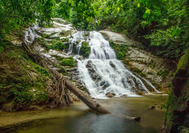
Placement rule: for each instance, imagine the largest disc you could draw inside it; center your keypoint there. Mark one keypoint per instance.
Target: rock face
(115, 37)
(177, 115)
(60, 29)
(153, 68)
(92, 70)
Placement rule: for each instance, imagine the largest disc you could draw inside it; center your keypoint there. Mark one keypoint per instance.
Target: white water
(108, 74)
(30, 34)
(78, 36)
(101, 73)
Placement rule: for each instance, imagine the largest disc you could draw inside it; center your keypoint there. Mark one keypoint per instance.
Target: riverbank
(83, 120)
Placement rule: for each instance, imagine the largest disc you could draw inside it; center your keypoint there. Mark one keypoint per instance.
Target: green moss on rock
(57, 45)
(120, 49)
(177, 119)
(68, 62)
(163, 73)
(85, 49)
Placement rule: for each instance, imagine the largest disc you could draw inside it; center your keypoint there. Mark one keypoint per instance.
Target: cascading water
(76, 36)
(102, 73)
(30, 34)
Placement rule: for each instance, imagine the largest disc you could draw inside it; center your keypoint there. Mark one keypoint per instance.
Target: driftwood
(60, 96)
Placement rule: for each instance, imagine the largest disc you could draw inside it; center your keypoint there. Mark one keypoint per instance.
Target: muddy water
(77, 118)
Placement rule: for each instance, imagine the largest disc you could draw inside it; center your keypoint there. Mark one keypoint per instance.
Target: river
(77, 118)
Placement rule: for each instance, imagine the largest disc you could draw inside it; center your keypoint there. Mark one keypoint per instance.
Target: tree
(18, 14)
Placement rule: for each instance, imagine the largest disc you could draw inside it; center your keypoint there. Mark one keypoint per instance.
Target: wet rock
(105, 85)
(110, 95)
(71, 69)
(124, 95)
(140, 93)
(111, 64)
(102, 83)
(164, 95)
(152, 107)
(92, 70)
(115, 37)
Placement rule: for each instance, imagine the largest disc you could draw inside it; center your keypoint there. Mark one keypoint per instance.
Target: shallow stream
(77, 118)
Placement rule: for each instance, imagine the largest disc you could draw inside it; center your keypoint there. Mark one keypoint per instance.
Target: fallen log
(85, 98)
(92, 104)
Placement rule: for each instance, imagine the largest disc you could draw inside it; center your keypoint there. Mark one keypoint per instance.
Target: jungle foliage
(161, 25)
(16, 15)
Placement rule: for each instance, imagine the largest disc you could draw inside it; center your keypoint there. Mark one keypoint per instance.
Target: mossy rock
(85, 49)
(177, 104)
(64, 39)
(68, 62)
(57, 45)
(120, 49)
(163, 73)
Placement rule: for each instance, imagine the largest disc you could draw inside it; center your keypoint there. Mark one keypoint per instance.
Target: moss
(184, 61)
(151, 64)
(18, 77)
(150, 73)
(163, 73)
(64, 39)
(120, 55)
(126, 62)
(85, 49)
(3, 45)
(58, 57)
(65, 33)
(120, 49)
(177, 102)
(42, 70)
(61, 70)
(138, 71)
(57, 45)
(1, 48)
(68, 62)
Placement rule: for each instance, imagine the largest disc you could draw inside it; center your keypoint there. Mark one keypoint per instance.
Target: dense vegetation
(160, 25)
(22, 82)
(17, 15)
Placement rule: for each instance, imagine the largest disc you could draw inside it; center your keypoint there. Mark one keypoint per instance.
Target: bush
(68, 62)
(120, 55)
(57, 46)
(85, 49)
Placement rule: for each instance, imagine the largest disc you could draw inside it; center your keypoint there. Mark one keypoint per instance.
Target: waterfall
(102, 73)
(30, 34)
(75, 37)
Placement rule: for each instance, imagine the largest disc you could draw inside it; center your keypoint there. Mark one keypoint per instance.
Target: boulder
(110, 95)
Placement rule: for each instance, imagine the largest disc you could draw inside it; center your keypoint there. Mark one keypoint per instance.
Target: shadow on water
(89, 122)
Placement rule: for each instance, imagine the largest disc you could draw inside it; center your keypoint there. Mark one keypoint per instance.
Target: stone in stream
(91, 68)
(110, 95)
